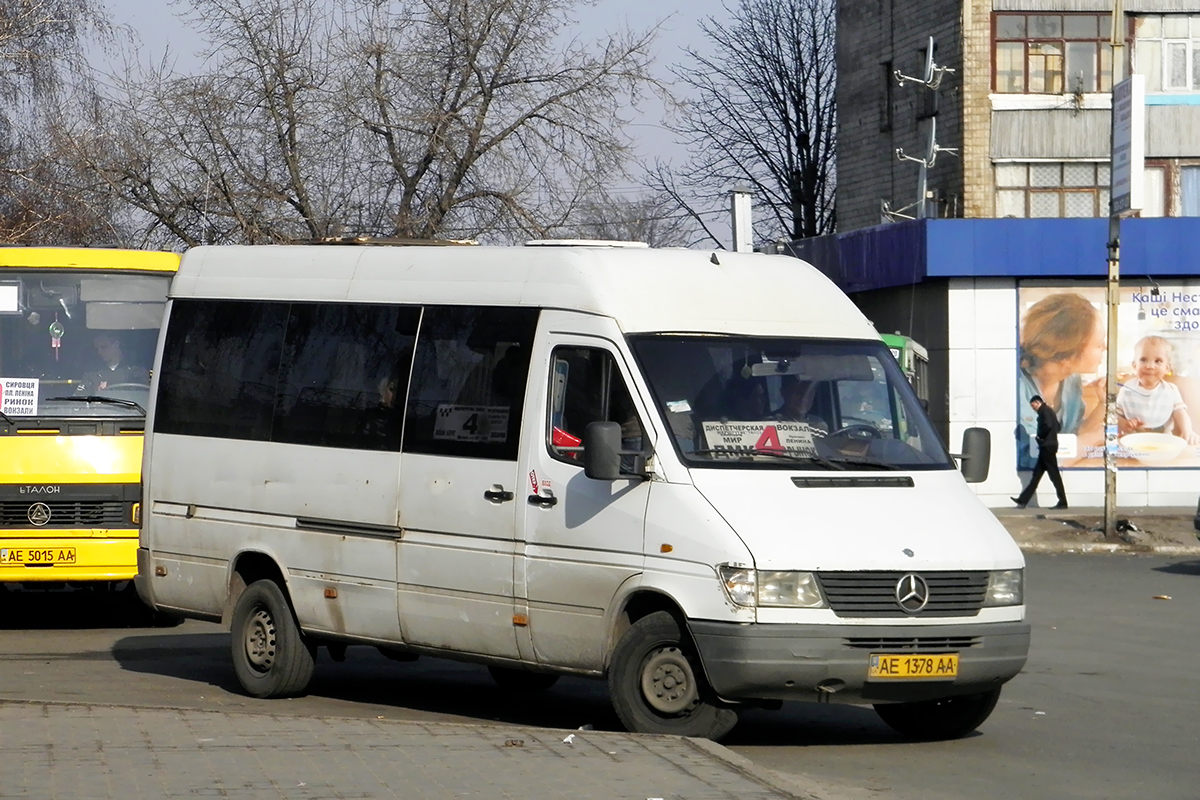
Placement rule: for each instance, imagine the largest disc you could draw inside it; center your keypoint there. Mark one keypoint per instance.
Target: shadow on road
(82, 609)
(368, 683)
(1180, 568)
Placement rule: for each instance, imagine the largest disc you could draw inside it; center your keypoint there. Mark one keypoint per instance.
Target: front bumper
(91, 559)
(828, 663)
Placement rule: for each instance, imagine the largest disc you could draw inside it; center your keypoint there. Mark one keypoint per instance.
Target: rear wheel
(948, 718)
(656, 683)
(270, 654)
(522, 680)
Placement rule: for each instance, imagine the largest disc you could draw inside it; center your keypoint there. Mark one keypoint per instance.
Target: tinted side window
(220, 368)
(587, 387)
(344, 375)
(468, 381)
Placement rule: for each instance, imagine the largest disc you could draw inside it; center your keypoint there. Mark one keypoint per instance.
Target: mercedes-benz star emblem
(912, 593)
(39, 514)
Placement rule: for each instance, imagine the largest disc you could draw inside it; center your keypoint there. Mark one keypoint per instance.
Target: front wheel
(932, 720)
(270, 654)
(656, 683)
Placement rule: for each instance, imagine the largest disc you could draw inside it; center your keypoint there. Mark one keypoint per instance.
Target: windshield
(819, 404)
(77, 343)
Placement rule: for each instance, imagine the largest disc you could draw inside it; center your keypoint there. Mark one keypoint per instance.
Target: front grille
(873, 594)
(66, 514)
(893, 644)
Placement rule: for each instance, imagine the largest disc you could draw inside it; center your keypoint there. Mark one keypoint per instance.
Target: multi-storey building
(1026, 107)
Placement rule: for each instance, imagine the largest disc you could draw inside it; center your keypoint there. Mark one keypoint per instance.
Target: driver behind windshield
(113, 370)
(798, 400)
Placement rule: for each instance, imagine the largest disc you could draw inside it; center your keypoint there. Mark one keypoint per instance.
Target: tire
(270, 655)
(657, 686)
(522, 680)
(933, 720)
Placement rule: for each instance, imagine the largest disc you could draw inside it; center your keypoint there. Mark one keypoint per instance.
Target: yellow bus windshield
(76, 343)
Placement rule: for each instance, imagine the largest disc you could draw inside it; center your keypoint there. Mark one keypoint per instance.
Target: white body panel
(456, 554)
(216, 499)
(786, 527)
(581, 550)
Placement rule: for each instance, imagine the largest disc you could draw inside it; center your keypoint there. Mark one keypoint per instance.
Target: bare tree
(39, 39)
(41, 58)
(763, 114)
(656, 221)
(408, 118)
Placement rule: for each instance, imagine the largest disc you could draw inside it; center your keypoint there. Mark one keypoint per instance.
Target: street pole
(1112, 296)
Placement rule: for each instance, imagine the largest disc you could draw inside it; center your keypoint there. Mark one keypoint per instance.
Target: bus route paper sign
(457, 423)
(791, 438)
(19, 397)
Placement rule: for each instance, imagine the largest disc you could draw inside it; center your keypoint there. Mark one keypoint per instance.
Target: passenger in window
(798, 397)
(745, 398)
(115, 371)
(382, 421)
(508, 377)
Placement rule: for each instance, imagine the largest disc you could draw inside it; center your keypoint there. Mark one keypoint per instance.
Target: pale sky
(157, 26)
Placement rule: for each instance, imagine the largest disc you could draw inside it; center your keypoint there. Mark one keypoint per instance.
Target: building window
(1052, 189)
(1052, 53)
(1155, 204)
(1189, 191)
(1167, 51)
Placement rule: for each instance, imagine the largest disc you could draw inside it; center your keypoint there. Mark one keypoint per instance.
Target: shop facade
(1010, 307)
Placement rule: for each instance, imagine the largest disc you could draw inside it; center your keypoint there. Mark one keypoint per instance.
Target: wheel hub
(260, 640)
(668, 683)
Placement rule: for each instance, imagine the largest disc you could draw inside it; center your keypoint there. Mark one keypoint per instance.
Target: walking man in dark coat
(1047, 459)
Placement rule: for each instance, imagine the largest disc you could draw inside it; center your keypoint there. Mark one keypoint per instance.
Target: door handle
(542, 500)
(498, 494)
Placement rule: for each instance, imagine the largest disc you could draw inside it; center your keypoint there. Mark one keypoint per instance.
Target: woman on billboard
(1062, 340)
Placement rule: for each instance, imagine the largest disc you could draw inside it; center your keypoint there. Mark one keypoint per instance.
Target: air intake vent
(873, 594)
(66, 514)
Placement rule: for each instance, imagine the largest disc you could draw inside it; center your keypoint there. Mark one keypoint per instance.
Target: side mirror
(976, 454)
(602, 451)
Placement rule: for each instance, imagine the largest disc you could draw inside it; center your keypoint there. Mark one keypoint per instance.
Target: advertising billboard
(1062, 340)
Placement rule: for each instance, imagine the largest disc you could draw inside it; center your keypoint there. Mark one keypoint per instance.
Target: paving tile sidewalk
(54, 751)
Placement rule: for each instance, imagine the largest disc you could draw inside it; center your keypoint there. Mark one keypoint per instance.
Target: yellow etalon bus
(78, 327)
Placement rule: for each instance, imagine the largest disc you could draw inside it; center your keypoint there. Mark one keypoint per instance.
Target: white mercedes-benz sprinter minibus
(700, 476)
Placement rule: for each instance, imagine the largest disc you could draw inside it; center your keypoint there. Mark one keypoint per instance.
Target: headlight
(739, 584)
(747, 587)
(1006, 587)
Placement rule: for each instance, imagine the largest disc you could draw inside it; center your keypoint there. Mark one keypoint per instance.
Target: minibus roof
(645, 290)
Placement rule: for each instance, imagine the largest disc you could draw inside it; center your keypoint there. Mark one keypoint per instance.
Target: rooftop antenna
(926, 163)
(931, 76)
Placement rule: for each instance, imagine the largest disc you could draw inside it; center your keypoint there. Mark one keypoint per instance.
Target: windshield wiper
(95, 398)
(866, 462)
(7, 419)
(790, 457)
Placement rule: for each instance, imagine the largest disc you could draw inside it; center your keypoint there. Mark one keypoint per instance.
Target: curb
(772, 780)
(1113, 548)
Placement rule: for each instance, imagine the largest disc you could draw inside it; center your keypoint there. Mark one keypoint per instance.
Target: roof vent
(583, 243)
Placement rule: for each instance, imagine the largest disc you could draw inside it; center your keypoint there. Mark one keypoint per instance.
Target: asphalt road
(1107, 707)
